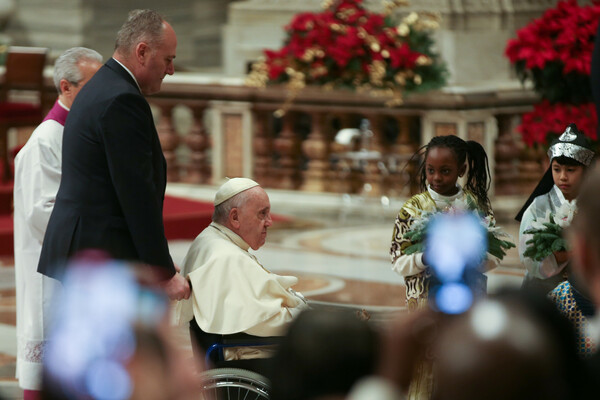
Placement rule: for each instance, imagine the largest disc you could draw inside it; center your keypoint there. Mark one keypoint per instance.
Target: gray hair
(67, 65)
(141, 26)
(221, 213)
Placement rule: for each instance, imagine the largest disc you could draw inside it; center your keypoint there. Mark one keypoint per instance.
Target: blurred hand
(562, 256)
(177, 288)
(405, 342)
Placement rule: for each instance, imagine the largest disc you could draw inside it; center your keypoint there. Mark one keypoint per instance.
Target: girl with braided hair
(446, 159)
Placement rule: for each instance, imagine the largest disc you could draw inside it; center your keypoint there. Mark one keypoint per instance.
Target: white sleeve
(407, 265)
(39, 185)
(490, 263)
(373, 387)
(277, 324)
(536, 269)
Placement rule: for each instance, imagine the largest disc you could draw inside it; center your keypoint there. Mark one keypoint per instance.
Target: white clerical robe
(231, 291)
(37, 177)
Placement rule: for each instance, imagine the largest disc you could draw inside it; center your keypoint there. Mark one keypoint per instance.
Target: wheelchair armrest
(249, 340)
(209, 342)
(239, 340)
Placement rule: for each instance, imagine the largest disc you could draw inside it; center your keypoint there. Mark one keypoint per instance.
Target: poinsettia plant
(348, 46)
(554, 52)
(547, 121)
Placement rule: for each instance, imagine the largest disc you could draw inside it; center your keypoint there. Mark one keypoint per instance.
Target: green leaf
(413, 248)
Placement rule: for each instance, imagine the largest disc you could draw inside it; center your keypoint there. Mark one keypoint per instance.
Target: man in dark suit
(113, 173)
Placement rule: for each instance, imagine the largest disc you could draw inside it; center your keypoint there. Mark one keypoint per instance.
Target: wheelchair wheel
(233, 383)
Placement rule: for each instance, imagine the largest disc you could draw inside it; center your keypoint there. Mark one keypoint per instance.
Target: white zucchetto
(232, 187)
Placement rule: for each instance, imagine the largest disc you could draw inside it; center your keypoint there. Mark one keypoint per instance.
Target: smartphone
(455, 248)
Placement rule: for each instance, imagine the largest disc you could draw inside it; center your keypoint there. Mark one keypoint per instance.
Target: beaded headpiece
(572, 144)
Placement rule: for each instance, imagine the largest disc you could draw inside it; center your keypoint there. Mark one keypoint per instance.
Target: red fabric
(15, 111)
(32, 395)
(183, 218)
(6, 235)
(6, 198)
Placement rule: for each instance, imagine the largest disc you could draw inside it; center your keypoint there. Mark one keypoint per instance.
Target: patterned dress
(577, 309)
(417, 276)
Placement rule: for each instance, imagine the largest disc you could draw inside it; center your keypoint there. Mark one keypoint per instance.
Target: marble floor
(337, 245)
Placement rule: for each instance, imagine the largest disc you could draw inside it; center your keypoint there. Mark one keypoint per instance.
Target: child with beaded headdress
(570, 155)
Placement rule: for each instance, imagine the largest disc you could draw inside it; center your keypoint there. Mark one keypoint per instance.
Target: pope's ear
(234, 218)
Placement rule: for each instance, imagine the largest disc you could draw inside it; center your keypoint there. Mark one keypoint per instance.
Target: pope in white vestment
(37, 178)
(231, 291)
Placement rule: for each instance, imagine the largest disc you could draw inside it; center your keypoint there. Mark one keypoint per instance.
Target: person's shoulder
(542, 198)
(539, 204)
(214, 241)
(418, 202)
(110, 82)
(48, 134)
(209, 249)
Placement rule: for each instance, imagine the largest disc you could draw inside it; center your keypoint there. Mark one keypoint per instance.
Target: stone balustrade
(212, 129)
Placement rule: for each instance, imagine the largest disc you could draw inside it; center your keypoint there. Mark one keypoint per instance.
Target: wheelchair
(233, 383)
(236, 379)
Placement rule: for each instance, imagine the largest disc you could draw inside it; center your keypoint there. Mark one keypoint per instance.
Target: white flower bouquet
(547, 232)
(498, 240)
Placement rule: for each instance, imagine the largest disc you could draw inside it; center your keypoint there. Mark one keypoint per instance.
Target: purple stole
(57, 113)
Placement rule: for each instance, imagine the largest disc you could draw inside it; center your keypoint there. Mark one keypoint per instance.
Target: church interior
(337, 163)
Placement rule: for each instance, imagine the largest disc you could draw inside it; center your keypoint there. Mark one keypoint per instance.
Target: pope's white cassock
(232, 292)
(37, 177)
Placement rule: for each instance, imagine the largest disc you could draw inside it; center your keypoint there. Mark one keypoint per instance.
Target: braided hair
(469, 151)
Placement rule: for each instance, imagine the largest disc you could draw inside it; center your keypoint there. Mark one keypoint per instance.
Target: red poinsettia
(348, 46)
(555, 53)
(548, 121)
(563, 34)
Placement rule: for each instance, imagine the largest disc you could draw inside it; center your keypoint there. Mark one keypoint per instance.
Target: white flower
(419, 222)
(488, 221)
(459, 205)
(564, 214)
(539, 222)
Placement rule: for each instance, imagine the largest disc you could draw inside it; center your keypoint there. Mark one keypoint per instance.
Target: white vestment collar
(234, 237)
(441, 200)
(60, 103)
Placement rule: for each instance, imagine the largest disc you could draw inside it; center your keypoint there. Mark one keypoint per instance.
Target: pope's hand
(177, 287)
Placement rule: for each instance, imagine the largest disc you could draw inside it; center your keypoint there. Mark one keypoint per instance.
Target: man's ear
(141, 52)
(65, 86)
(234, 218)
